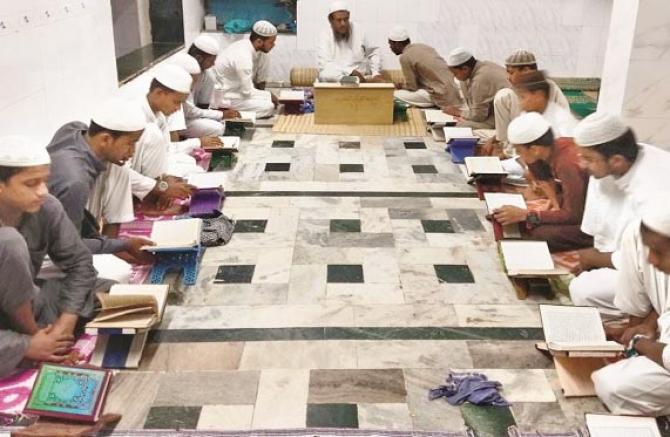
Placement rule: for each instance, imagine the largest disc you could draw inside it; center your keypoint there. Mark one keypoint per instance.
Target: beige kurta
(479, 91)
(424, 68)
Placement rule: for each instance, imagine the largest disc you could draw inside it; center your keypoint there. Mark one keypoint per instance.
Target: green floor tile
(454, 274)
(437, 226)
(172, 418)
(487, 421)
(424, 169)
(332, 416)
(345, 274)
(234, 274)
(250, 226)
(352, 168)
(283, 144)
(345, 226)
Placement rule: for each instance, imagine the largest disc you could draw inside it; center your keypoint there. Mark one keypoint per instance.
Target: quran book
(576, 329)
(458, 133)
(602, 425)
(67, 392)
(291, 96)
(246, 117)
(130, 307)
(498, 200)
(528, 258)
(230, 143)
(484, 166)
(438, 117)
(175, 235)
(209, 180)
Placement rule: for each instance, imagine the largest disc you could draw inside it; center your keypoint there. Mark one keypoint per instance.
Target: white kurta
(235, 73)
(340, 58)
(611, 205)
(638, 385)
(562, 121)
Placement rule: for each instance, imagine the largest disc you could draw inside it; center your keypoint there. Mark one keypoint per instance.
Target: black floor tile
(277, 166)
(415, 145)
(332, 416)
(350, 144)
(437, 226)
(283, 144)
(234, 274)
(454, 274)
(465, 220)
(345, 273)
(250, 226)
(351, 168)
(172, 418)
(487, 420)
(345, 226)
(424, 169)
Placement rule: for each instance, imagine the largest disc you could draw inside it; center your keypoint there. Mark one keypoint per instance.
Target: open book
(458, 133)
(601, 425)
(69, 392)
(130, 307)
(230, 143)
(246, 117)
(484, 166)
(498, 200)
(291, 96)
(437, 117)
(209, 180)
(528, 258)
(175, 235)
(576, 330)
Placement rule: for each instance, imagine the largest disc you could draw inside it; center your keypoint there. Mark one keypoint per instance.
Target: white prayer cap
(656, 214)
(120, 115)
(527, 128)
(207, 44)
(175, 78)
(458, 57)
(20, 151)
(338, 6)
(187, 62)
(265, 28)
(599, 128)
(398, 34)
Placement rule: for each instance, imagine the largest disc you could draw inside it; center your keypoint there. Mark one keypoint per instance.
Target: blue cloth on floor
(469, 387)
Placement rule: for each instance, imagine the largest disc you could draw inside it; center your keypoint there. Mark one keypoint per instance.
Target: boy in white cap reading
(204, 49)
(640, 385)
(20, 335)
(345, 50)
(549, 162)
(625, 177)
(237, 68)
(27, 206)
(428, 81)
(479, 82)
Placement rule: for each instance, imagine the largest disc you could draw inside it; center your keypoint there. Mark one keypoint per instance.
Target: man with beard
(555, 169)
(345, 50)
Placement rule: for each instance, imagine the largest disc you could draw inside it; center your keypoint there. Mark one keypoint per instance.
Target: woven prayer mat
(415, 126)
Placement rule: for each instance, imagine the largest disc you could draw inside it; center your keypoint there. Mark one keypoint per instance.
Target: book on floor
(230, 144)
(576, 331)
(438, 117)
(291, 96)
(209, 180)
(129, 308)
(458, 133)
(175, 235)
(603, 425)
(69, 392)
(528, 258)
(485, 166)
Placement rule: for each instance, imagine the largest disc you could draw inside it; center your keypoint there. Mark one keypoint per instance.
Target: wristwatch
(162, 185)
(533, 220)
(630, 349)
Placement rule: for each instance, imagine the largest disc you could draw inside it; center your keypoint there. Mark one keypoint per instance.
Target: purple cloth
(469, 387)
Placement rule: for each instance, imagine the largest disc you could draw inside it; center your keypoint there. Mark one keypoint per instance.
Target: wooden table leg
(521, 286)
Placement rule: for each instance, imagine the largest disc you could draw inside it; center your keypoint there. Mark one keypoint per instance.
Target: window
(237, 16)
(145, 32)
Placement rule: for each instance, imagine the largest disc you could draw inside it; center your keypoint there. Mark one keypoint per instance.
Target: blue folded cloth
(469, 387)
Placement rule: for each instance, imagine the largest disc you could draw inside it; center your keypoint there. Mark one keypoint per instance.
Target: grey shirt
(16, 287)
(480, 89)
(424, 68)
(50, 232)
(74, 169)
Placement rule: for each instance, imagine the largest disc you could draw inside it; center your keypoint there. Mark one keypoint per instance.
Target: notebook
(291, 96)
(436, 116)
(209, 180)
(578, 330)
(601, 425)
(68, 392)
(484, 166)
(129, 307)
(175, 235)
(528, 258)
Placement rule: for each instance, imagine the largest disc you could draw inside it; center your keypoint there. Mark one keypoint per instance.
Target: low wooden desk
(367, 103)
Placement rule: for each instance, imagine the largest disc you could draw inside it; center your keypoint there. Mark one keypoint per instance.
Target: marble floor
(361, 272)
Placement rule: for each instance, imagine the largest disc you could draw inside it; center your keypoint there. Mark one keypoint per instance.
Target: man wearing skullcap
(204, 49)
(345, 50)
(640, 385)
(237, 74)
(89, 178)
(27, 206)
(625, 177)
(479, 81)
(506, 103)
(428, 81)
(549, 163)
(155, 155)
(20, 336)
